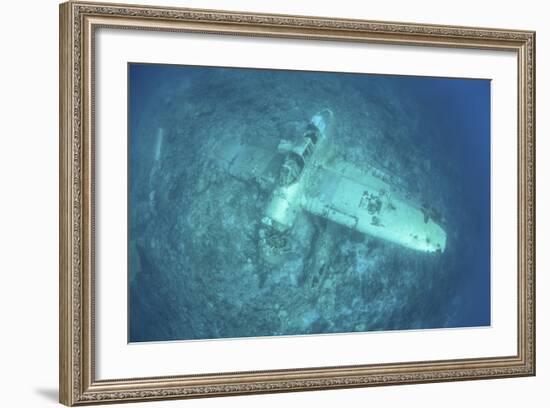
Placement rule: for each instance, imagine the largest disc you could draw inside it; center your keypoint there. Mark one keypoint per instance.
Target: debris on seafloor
(307, 175)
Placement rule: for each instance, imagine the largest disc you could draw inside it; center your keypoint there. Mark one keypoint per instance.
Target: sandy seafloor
(194, 265)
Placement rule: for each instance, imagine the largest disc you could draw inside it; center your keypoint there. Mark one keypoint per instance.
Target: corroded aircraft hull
(309, 175)
(359, 199)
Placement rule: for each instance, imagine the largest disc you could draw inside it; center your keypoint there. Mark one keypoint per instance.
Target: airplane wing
(258, 162)
(364, 201)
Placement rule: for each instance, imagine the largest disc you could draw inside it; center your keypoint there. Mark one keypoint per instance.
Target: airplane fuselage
(314, 180)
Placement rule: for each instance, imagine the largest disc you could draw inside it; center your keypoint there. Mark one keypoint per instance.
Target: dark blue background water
(460, 109)
(184, 283)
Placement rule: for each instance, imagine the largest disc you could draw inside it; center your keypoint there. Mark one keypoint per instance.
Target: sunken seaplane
(308, 175)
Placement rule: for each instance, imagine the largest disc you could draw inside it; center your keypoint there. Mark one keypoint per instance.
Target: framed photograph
(256, 203)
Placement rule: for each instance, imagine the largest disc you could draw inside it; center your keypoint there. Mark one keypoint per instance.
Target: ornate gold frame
(78, 22)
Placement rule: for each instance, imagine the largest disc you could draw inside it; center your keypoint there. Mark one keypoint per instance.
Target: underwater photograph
(267, 202)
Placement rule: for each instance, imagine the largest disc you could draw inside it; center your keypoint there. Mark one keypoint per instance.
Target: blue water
(195, 271)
